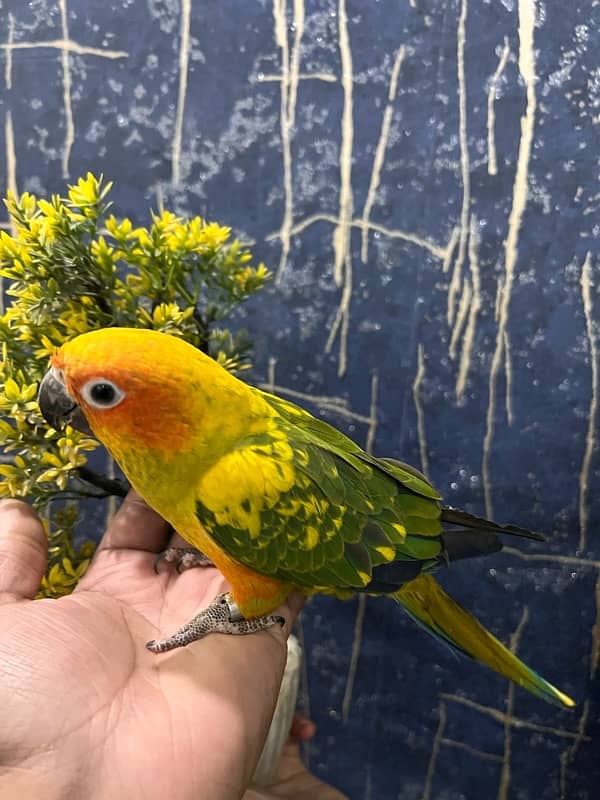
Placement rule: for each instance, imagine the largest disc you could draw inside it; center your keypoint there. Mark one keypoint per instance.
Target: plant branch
(112, 486)
(203, 330)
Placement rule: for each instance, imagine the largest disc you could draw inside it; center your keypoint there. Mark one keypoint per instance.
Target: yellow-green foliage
(71, 268)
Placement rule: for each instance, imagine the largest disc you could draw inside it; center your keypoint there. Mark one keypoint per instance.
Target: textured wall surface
(422, 177)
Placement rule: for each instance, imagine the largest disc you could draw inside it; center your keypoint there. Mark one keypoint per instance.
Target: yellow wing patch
(312, 537)
(399, 528)
(389, 553)
(244, 482)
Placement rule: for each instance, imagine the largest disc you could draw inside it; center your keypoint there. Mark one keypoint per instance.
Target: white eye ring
(101, 393)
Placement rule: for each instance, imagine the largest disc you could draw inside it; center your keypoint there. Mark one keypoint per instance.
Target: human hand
(86, 711)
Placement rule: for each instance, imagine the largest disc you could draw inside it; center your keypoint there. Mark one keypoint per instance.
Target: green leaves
(70, 267)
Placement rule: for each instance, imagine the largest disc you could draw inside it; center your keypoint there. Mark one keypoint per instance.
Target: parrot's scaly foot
(183, 558)
(221, 616)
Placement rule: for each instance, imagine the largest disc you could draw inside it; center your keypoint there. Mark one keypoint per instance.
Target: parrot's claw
(221, 616)
(183, 558)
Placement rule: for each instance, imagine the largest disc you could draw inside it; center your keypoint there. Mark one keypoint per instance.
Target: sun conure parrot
(275, 498)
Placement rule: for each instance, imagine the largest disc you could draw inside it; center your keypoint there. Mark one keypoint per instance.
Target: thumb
(23, 551)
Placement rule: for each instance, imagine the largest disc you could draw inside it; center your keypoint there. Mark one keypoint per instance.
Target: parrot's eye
(102, 393)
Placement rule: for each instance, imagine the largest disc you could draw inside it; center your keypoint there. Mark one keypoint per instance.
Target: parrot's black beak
(57, 407)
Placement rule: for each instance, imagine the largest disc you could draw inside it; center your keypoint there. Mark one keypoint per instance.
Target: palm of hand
(128, 723)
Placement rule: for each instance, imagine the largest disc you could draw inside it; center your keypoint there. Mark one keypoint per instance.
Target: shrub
(73, 267)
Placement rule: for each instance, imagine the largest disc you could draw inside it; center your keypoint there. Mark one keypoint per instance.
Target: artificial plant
(69, 267)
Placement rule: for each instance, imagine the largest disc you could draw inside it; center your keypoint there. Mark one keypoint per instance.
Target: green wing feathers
(303, 503)
(342, 515)
(339, 513)
(427, 603)
(335, 524)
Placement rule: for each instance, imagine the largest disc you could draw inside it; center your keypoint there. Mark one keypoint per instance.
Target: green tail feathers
(427, 603)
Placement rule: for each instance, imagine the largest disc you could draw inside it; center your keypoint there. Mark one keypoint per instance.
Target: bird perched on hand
(275, 498)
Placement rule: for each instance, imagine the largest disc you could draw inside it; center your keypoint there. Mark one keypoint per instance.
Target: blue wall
(449, 148)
